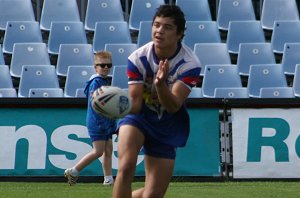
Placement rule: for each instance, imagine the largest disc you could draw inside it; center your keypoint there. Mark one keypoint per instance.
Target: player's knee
(98, 153)
(127, 167)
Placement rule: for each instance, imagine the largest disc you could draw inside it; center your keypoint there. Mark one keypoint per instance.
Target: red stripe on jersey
(191, 80)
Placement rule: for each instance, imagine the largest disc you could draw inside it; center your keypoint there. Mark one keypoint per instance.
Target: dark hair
(174, 12)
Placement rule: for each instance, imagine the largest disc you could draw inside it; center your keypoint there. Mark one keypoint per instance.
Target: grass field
(176, 189)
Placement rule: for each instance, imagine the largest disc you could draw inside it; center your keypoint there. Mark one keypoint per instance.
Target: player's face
(102, 67)
(164, 33)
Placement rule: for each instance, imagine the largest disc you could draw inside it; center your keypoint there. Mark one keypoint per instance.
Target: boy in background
(100, 129)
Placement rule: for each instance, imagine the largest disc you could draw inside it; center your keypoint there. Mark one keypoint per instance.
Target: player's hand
(162, 72)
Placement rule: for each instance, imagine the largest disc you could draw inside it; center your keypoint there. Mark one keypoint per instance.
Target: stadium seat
(285, 32)
(119, 76)
(120, 52)
(110, 32)
(277, 92)
(244, 32)
(235, 92)
(196, 92)
(5, 78)
(73, 54)
(102, 10)
(65, 33)
(195, 10)
(278, 10)
(142, 10)
(254, 53)
(28, 54)
(144, 34)
(45, 93)
(234, 10)
(290, 57)
(21, 32)
(296, 81)
(8, 93)
(80, 93)
(201, 32)
(77, 77)
(265, 75)
(15, 10)
(37, 76)
(58, 11)
(219, 76)
(2, 60)
(212, 54)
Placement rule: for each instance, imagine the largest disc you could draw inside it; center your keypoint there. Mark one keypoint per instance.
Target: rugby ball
(111, 102)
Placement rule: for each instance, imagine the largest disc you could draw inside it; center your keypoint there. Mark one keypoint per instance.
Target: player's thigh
(130, 141)
(159, 172)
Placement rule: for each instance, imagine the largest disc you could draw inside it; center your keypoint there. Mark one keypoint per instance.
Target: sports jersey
(184, 66)
(96, 123)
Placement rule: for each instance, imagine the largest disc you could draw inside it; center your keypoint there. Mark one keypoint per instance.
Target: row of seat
(64, 33)
(265, 80)
(69, 54)
(118, 32)
(38, 79)
(248, 54)
(143, 10)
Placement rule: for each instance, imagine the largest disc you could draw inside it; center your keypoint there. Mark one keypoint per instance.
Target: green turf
(176, 189)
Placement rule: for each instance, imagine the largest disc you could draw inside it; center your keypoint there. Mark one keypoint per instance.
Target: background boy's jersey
(95, 122)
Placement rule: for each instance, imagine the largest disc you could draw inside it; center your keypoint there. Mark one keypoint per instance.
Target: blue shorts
(157, 149)
(152, 146)
(100, 137)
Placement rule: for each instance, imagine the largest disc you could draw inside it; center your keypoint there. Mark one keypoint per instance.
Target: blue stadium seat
(284, 32)
(235, 92)
(8, 93)
(278, 10)
(296, 81)
(2, 60)
(290, 57)
(201, 32)
(254, 53)
(37, 76)
(144, 34)
(21, 32)
(102, 10)
(65, 33)
(265, 75)
(212, 54)
(80, 93)
(77, 77)
(73, 54)
(119, 76)
(5, 77)
(234, 10)
(244, 32)
(142, 10)
(58, 11)
(120, 52)
(219, 76)
(195, 10)
(110, 32)
(28, 54)
(46, 93)
(196, 92)
(277, 92)
(15, 10)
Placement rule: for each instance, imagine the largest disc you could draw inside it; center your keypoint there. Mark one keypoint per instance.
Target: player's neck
(165, 53)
